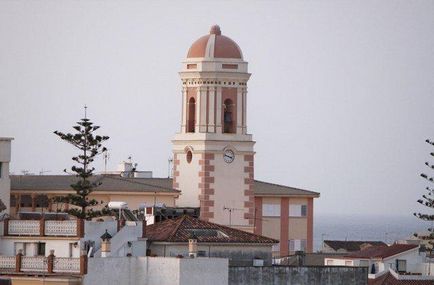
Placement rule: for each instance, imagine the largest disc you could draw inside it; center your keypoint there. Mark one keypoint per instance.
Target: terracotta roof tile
(389, 279)
(351, 245)
(382, 251)
(183, 228)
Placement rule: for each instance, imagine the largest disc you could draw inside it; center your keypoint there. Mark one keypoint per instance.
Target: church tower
(213, 153)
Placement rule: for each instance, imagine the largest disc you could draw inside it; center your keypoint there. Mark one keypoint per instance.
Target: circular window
(189, 156)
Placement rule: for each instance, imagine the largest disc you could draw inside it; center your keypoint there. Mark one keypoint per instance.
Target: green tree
(428, 201)
(89, 145)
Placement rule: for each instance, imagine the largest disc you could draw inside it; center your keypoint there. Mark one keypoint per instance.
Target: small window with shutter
(296, 210)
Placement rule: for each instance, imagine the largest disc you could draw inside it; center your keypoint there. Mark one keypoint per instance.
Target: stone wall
(306, 275)
(156, 270)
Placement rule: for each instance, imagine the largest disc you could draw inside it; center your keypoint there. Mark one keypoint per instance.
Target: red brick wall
(248, 192)
(175, 171)
(205, 186)
(258, 216)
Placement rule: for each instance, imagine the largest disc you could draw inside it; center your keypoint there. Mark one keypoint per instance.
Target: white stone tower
(213, 154)
(5, 181)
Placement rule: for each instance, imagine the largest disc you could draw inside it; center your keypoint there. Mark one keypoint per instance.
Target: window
(276, 247)
(41, 201)
(189, 156)
(13, 201)
(297, 210)
(19, 246)
(230, 66)
(401, 265)
(228, 116)
(26, 201)
(41, 248)
(191, 115)
(271, 210)
(297, 245)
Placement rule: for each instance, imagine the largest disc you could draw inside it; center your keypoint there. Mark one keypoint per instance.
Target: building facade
(5, 181)
(213, 160)
(213, 153)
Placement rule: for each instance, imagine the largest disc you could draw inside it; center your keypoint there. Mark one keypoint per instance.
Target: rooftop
(381, 252)
(113, 183)
(215, 45)
(110, 183)
(184, 228)
(352, 245)
(389, 279)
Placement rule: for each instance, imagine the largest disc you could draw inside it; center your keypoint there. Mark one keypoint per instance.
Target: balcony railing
(67, 228)
(20, 227)
(42, 264)
(61, 228)
(66, 264)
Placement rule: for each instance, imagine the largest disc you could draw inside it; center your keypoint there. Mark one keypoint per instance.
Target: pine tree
(428, 201)
(89, 145)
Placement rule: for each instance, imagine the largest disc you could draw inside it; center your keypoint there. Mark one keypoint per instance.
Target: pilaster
(239, 110)
(184, 110)
(211, 109)
(244, 94)
(219, 110)
(203, 109)
(198, 111)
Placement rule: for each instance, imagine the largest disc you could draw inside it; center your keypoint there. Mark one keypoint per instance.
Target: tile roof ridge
(137, 182)
(284, 186)
(181, 220)
(241, 231)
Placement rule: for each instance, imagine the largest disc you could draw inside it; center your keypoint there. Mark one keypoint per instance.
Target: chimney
(105, 244)
(192, 247)
(144, 224)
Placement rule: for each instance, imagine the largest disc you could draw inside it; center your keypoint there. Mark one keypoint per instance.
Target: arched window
(228, 120)
(191, 115)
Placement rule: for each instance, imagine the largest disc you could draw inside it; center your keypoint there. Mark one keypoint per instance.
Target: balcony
(42, 228)
(51, 264)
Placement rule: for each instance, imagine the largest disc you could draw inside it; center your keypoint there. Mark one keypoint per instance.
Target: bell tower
(213, 153)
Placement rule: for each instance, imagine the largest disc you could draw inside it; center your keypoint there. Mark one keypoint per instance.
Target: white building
(397, 261)
(5, 181)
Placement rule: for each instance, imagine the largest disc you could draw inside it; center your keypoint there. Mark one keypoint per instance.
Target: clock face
(228, 156)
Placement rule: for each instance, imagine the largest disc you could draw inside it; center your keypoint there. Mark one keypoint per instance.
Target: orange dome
(215, 45)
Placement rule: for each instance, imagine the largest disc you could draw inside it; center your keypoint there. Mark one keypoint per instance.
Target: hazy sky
(340, 100)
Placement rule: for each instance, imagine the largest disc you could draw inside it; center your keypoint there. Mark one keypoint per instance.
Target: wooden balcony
(41, 228)
(51, 264)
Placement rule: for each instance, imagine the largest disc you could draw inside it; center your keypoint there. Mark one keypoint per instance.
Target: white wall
(413, 258)
(188, 180)
(156, 270)
(9, 246)
(5, 181)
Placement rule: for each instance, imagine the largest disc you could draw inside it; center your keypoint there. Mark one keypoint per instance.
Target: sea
(358, 227)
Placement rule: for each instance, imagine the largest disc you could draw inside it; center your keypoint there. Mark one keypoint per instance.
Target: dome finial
(215, 30)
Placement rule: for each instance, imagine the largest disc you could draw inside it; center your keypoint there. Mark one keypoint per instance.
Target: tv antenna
(42, 171)
(169, 167)
(106, 157)
(230, 213)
